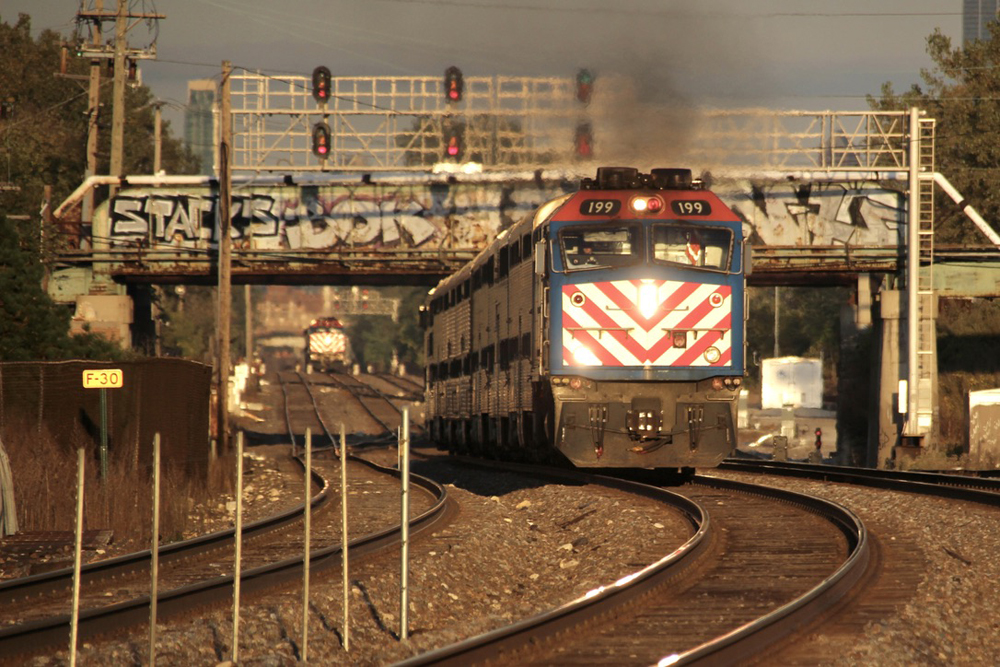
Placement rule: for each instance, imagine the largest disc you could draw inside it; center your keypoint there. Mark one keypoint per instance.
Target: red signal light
(584, 86)
(452, 141)
(321, 84)
(321, 140)
(583, 142)
(453, 84)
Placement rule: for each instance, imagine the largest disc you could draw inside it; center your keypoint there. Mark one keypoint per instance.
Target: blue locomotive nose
(607, 328)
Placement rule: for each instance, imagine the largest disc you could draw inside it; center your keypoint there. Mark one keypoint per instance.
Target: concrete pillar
(854, 379)
(885, 422)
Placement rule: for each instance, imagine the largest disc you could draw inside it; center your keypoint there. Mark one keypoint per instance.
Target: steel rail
(354, 391)
(755, 637)
(982, 490)
(603, 600)
(505, 640)
(54, 632)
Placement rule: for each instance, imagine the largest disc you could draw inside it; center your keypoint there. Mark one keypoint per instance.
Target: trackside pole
(404, 475)
(154, 550)
(239, 547)
(305, 554)
(343, 532)
(76, 558)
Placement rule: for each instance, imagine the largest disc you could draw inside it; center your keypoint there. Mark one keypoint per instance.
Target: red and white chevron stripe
(334, 342)
(657, 323)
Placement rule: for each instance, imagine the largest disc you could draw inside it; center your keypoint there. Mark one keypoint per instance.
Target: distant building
(199, 122)
(975, 15)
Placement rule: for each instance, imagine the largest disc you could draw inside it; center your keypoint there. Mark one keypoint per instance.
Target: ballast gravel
(519, 547)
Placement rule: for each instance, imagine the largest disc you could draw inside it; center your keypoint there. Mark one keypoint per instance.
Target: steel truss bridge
(386, 143)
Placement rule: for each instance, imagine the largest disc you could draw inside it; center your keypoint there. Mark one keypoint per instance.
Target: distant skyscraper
(975, 15)
(199, 122)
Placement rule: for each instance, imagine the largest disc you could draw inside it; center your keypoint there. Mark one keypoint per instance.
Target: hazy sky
(785, 54)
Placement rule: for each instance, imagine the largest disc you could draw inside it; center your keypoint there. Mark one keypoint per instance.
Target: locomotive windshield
(689, 245)
(600, 247)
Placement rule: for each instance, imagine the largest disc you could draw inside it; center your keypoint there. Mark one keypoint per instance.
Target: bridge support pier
(885, 423)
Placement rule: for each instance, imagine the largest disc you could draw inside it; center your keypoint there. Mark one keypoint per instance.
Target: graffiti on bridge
(467, 216)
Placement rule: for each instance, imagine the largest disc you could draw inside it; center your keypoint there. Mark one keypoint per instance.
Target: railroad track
(715, 598)
(380, 407)
(198, 572)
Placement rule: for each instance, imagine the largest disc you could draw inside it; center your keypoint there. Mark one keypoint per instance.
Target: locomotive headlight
(585, 357)
(648, 302)
(712, 355)
(646, 204)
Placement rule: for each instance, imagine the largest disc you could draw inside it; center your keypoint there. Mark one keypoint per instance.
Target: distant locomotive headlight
(644, 204)
(712, 355)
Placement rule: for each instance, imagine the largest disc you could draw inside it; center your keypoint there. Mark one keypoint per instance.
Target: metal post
(305, 555)
(343, 531)
(154, 550)
(404, 475)
(104, 434)
(912, 276)
(777, 315)
(157, 136)
(81, 463)
(239, 548)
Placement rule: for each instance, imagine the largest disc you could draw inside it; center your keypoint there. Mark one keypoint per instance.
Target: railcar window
(600, 247)
(688, 245)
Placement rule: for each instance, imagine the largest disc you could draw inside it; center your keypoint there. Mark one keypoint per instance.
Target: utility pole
(225, 257)
(118, 98)
(119, 52)
(93, 114)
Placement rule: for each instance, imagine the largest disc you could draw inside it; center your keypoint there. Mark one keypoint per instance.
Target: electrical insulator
(453, 84)
(321, 84)
(321, 140)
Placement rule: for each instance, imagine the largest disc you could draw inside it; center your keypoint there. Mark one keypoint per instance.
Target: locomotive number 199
(600, 206)
(691, 207)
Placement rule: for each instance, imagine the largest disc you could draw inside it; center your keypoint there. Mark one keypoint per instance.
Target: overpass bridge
(826, 198)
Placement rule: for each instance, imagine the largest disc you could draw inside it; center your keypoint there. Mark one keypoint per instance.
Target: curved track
(648, 615)
(44, 627)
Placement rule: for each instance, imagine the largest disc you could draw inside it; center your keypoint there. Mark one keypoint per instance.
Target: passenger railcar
(608, 326)
(326, 345)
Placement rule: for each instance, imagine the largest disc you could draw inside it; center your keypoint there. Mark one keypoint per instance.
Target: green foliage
(374, 339)
(808, 321)
(45, 138)
(961, 93)
(32, 327)
(189, 328)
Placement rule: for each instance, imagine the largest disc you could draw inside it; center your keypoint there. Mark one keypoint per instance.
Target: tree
(32, 326)
(962, 94)
(43, 131)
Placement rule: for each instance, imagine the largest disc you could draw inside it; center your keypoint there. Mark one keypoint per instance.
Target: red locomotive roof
(599, 205)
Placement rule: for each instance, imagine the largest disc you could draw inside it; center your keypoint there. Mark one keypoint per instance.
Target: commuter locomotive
(608, 326)
(327, 347)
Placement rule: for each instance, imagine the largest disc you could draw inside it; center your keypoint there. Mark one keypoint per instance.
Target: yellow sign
(103, 378)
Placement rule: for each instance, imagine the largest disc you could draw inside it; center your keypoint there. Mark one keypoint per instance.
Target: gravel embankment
(518, 547)
(952, 615)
